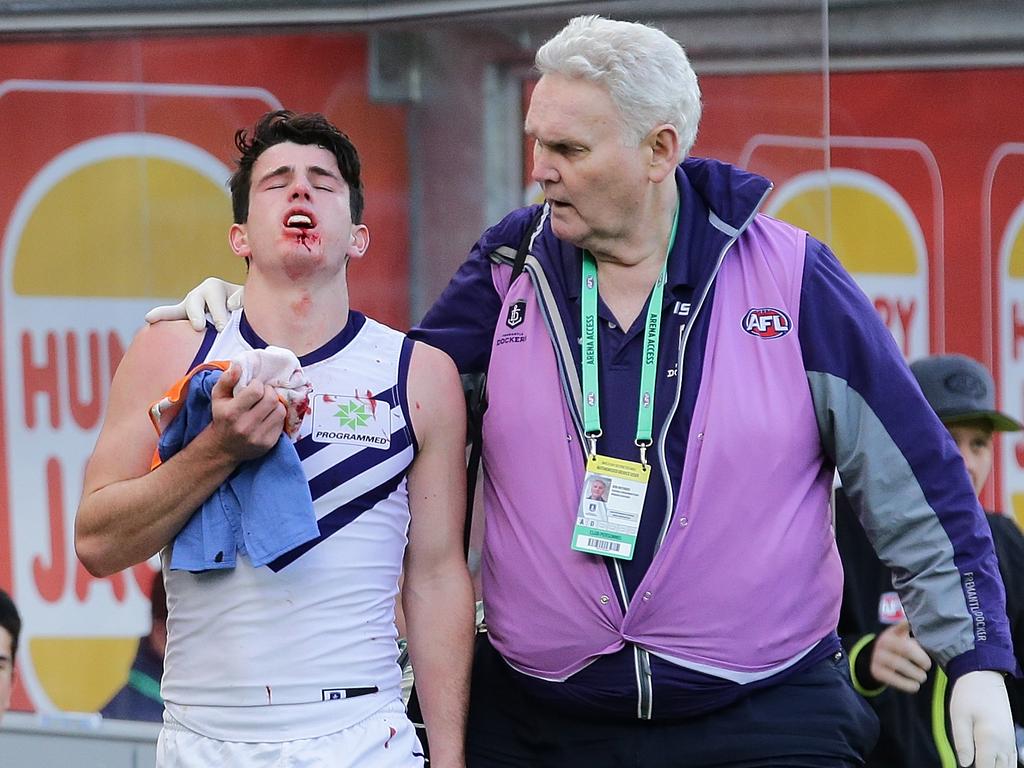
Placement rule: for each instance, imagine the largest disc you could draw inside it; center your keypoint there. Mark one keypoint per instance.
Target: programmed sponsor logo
(353, 420)
(766, 323)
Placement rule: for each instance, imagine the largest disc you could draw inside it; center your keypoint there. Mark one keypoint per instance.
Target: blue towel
(263, 510)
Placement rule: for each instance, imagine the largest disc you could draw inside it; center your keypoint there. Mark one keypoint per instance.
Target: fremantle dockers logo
(516, 314)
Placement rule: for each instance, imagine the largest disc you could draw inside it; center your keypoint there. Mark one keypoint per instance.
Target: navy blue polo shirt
(620, 355)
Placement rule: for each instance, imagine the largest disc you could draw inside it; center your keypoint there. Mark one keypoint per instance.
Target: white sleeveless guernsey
(290, 650)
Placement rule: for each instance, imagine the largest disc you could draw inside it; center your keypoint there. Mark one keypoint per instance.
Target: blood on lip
(306, 240)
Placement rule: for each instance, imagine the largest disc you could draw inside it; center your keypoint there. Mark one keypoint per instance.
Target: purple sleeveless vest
(748, 578)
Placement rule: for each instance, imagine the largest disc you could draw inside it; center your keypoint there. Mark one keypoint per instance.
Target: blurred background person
(889, 667)
(140, 699)
(10, 629)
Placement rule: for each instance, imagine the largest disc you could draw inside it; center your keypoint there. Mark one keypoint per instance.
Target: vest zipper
(641, 658)
(734, 235)
(645, 689)
(684, 337)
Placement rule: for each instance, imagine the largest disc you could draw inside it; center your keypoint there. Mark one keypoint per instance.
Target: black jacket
(906, 738)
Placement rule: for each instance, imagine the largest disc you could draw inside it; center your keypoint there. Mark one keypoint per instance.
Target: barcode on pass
(608, 546)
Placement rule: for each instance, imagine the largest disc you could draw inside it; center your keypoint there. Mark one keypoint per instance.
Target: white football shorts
(386, 739)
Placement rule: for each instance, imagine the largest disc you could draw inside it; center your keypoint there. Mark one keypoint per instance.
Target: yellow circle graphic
(126, 227)
(865, 222)
(1016, 263)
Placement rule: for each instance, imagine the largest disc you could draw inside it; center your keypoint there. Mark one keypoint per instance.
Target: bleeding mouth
(299, 221)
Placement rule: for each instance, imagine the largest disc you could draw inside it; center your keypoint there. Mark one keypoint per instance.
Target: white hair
(645, 71)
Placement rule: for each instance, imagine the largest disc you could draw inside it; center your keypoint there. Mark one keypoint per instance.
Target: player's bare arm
(437, 594)
(127, 512)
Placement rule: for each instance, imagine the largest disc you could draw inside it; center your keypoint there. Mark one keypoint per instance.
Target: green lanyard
(591, 386)
(145, 685)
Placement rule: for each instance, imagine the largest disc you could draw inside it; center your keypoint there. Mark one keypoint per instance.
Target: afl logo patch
(766, 323)
(890, 609)
(516, 314)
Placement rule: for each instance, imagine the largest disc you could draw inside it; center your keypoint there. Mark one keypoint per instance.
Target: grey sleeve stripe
(503, 253)
(898, 520)
(558, 331)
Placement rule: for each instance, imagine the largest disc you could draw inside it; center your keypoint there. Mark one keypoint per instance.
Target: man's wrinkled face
(593, 175)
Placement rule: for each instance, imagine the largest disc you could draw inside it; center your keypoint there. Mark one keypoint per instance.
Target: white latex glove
(218, 297)
(898, 660)
(979, 713)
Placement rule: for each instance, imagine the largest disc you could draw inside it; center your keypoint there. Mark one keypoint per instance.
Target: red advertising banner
(113, 200)
(922, 200)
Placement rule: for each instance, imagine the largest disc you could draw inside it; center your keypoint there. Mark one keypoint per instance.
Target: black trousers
(813, 720)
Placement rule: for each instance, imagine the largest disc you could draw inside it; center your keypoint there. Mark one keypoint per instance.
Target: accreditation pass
(611, 502)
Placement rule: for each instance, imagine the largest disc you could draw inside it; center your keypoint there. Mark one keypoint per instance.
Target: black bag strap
(524, 245)
(474, 387)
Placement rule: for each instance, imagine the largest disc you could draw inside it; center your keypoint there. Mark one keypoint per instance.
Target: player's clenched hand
(249, 423)
(898, 660)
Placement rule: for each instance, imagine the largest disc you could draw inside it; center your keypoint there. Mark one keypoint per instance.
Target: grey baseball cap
(961, 389)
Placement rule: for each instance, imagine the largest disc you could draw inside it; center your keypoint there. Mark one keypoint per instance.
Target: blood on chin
(304, 238)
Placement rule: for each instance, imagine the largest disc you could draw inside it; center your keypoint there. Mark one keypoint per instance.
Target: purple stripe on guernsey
(357, 463)
(401, 389)
(334, 521)
(209, 336)
(401, 439)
